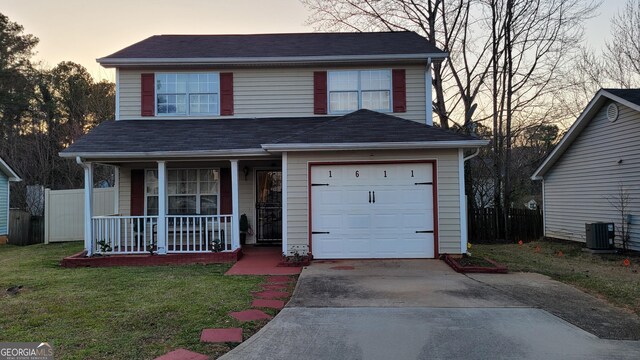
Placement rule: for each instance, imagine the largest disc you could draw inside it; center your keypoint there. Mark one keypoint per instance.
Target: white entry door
(372, 211)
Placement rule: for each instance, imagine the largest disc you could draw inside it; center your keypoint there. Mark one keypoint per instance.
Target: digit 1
(385, 173)
(411, 173)
(329, 173)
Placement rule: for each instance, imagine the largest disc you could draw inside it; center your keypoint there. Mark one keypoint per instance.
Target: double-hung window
(189, 191)
(365, 89)
(188, 93)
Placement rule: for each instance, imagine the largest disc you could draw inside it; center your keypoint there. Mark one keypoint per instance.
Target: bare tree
(622, 53)
(621, 201)
(533, 44)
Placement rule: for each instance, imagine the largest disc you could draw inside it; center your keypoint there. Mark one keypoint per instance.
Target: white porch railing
(184, 234)
(124, 234)
(198, 233)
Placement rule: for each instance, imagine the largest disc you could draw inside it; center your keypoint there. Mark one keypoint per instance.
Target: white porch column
(428, 88)
(235, 207)
(116, 189)
(285, 249)
(162, 208)
(88, 208)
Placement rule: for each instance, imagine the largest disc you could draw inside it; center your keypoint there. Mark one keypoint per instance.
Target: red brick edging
(81, 260)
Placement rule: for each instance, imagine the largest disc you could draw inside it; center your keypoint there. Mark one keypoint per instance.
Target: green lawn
(116, 313)
(602, 275)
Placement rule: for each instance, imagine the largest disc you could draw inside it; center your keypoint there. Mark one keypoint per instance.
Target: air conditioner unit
(600, 236)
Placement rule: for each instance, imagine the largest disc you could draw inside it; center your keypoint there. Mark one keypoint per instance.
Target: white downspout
(472, 155)
(88, 204)
(117, 94)
(285, 206)
(428, 88)
(464, 236)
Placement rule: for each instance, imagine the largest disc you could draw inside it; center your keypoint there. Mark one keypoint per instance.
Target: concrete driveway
(421, 309)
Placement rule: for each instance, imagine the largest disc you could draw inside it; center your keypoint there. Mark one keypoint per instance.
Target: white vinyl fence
(64, 212)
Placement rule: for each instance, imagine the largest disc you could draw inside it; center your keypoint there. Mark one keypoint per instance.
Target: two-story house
(323, 140)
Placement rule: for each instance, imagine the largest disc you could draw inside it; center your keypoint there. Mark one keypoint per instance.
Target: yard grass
(603, 275)
(116, 313)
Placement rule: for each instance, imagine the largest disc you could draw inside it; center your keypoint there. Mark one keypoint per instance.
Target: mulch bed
(469, 264)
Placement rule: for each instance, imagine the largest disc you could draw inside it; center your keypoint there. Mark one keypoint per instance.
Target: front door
(269, 206)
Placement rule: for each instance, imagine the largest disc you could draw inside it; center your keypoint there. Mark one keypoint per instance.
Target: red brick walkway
(261, 261)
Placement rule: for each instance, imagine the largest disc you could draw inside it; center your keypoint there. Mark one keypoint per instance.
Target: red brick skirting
(80, 259)
(497, 268)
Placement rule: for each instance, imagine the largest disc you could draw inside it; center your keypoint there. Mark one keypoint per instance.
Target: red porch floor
(261, 261)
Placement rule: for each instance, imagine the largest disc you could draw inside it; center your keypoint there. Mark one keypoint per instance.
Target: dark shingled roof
(277, 45)
(366, 126)
(362, 126)
(631, 95)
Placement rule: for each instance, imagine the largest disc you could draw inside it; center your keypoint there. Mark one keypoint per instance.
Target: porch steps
(233, 335)
(182, 354)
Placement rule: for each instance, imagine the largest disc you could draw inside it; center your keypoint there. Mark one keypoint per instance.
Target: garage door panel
(360, 227)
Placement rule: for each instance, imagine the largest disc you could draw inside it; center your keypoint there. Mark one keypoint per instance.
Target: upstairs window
(365, 89)
(188, 93)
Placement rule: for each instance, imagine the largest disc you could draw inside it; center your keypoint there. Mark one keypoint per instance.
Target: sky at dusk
(83, 30)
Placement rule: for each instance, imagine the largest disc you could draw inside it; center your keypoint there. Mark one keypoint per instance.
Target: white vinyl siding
(124, 200)
(579, 187)
(4, 204)
(447, 188)
(274, 92)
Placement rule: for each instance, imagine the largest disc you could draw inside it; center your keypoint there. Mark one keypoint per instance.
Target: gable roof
(7, 170)
(630, 95)
(269, 48)
(627, 97)
(363, 129)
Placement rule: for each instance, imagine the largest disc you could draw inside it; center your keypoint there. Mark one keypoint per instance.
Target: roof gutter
(166, 154)
(375, 145)
(114, 62)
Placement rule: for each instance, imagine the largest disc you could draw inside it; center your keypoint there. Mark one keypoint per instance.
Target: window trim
(187, 94)
(359, 91)
(198, 195)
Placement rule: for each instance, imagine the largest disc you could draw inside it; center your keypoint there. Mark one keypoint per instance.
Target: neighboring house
(7, 175)
(583, 176)
(210, 127)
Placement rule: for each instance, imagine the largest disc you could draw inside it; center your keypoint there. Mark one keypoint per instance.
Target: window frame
(187, 94)
(358, 90)
(198, 195)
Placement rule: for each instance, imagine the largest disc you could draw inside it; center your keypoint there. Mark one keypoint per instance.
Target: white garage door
(372, 211)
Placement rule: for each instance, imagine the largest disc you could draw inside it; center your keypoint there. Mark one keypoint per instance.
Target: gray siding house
(6, 175)
(583, 176)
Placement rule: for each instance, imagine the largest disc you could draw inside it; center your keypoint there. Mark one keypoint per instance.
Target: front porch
(186, 207)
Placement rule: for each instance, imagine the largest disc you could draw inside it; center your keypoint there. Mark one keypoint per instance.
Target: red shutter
(320, 92)
(147, 82)
(226, 93)
(399, 90)
(137, 192)
(225, 191)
